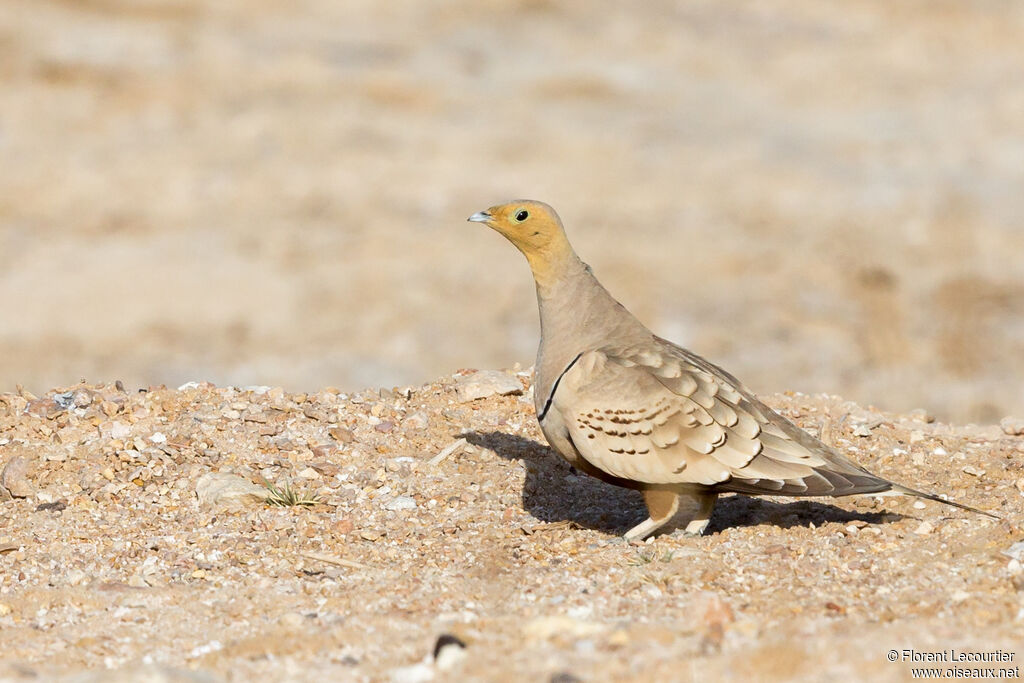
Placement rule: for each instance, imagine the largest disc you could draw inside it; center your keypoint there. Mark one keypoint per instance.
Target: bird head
(533, 227)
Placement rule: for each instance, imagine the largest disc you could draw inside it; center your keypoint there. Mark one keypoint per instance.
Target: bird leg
(705, 503)
(661, 505)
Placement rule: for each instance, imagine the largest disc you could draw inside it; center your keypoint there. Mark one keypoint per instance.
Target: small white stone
(417, 420)
(400, 503)
(75, 577)
(580, 612)
(484, 383)
(223, 488)
(448, 658)
(1015, 551)
(1012, 425)
(924, 529)
(542, 628)
(119, 430)
(417, 673)
(291, 620)
(158, 437)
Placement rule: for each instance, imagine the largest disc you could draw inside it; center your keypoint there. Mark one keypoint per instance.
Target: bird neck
(553, 263)
(577, 314)
(554, 268)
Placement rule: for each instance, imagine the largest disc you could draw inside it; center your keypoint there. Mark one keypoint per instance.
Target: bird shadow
(554, 492)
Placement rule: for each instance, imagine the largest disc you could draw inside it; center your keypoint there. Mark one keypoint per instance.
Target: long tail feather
(931, 496)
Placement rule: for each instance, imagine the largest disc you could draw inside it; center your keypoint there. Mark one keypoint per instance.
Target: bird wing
(658, 414)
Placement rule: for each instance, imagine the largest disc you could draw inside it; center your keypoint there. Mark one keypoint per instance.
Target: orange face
(530, 225)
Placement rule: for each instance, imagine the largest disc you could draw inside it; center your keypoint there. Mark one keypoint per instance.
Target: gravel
(110, 565)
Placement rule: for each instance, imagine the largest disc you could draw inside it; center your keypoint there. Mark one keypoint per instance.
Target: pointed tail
(931, 496)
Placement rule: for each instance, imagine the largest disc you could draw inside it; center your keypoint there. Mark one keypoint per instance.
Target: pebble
(416, 673)
(1014, 426)
(484, 383)
(449, 651)
(1015, 551)
(341, 435)
(543, 628)
(564, 677)
(417, 420)
(324, 451)
(922, 415)
(924, 529)
(402, 464)
(82, 398)
(44, 407)
(223, 488)
(974, 471)
(453, 447)
(291, 620)
(75, 577)
(309, 473)
(14, 478)
(117, 430)
(56, 455)
(400, 503)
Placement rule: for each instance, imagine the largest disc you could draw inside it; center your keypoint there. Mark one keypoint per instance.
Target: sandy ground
(117, 563)
(820, 197)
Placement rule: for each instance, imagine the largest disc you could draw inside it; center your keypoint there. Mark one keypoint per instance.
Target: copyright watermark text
(993, 664)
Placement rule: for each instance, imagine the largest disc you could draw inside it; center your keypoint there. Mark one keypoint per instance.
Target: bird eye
(522, 216)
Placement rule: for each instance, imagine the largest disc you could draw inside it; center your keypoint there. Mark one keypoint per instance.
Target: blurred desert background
(821, 197)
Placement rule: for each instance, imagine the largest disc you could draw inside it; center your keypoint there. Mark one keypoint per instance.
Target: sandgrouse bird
(635, 410)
